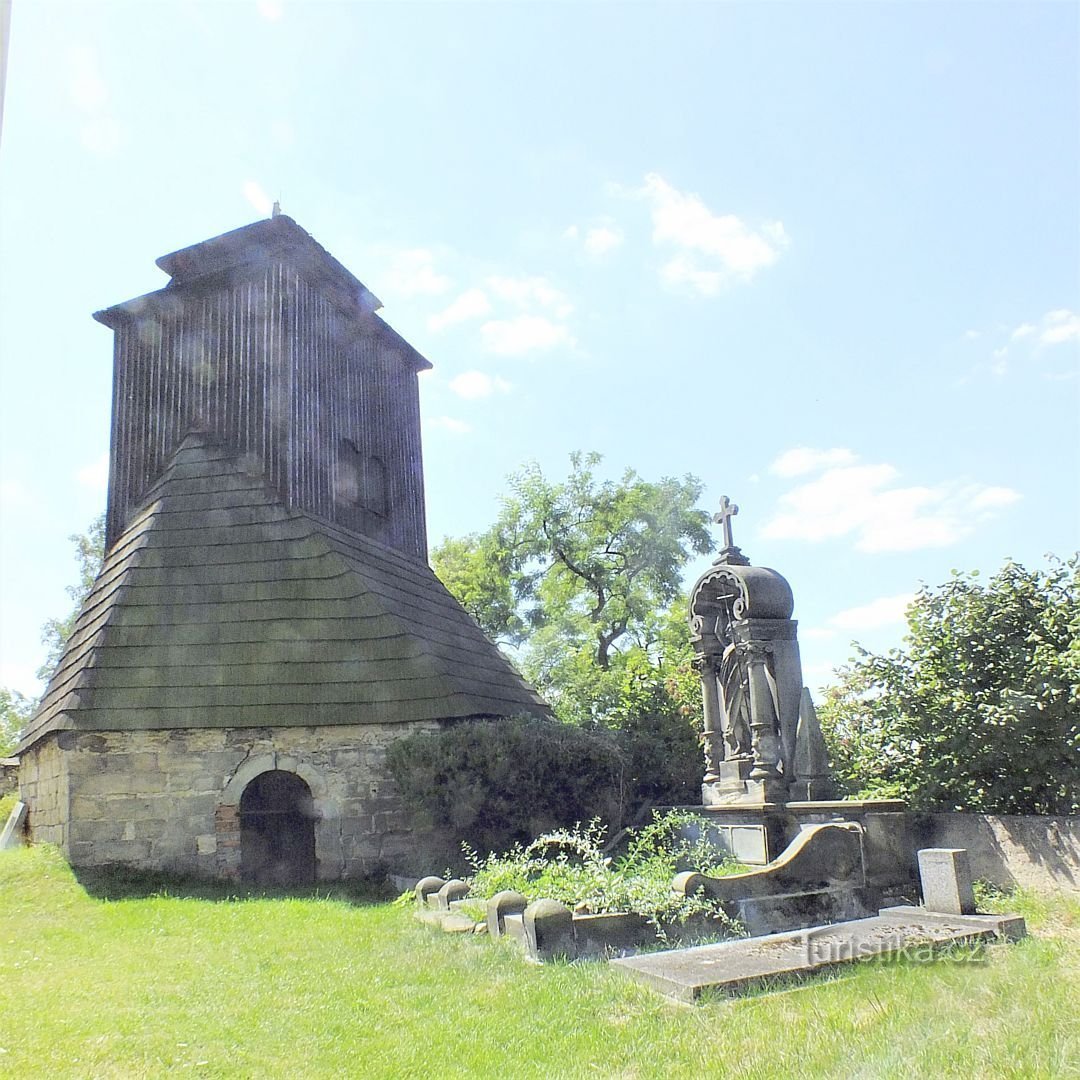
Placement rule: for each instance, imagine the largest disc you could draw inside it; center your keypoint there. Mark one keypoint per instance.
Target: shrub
(980, 710)
(492, 783)
(571, 866)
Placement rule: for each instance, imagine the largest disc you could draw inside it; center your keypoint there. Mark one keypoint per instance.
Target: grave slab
(732, 967)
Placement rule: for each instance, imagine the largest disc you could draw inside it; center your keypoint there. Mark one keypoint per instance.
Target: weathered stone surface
(549, 930)
(173, 798)
(734, 966)
(454, 889)
(499, 907)
(946, 881)
(426, 888)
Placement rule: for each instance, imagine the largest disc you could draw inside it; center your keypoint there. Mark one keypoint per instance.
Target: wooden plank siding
(257, 342)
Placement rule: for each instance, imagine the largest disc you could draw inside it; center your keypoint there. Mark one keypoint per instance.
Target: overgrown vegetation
(313, 986)
(980, 709)
(571, 866)
(15, 710)
(583, 578)
(494, 783)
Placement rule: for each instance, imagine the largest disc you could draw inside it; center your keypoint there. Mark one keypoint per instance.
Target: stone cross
(727, 511)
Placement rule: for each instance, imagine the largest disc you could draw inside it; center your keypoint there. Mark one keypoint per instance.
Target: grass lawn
(189, 983)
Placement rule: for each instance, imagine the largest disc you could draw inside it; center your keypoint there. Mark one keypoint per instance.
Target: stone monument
(761, 737)
(766, 776)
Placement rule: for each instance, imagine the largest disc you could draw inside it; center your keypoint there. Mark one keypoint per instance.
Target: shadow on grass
(127, 883)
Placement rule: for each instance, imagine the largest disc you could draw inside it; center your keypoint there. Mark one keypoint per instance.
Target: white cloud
(412, 273)
(885, 611)
(527, 291)
(95, 475)
(475, 384)
(1059, 326)
(1022, 331)
(994, 498)
(805, 459)
(596, 239)
(737, 251)
(522, 334)
(449, 423)
(257, 197)
(602, 239)
(471, 304)
(684, 270)
(866, 503)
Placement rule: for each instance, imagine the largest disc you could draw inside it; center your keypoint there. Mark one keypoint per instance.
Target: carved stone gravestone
(761, 737)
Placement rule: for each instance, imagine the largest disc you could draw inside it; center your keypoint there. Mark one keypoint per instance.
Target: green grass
(194, 983)
(7, 804)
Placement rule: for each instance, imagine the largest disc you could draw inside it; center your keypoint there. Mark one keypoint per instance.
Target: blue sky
(823, 256)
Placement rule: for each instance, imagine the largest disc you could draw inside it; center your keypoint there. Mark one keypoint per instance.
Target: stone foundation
(169, 800)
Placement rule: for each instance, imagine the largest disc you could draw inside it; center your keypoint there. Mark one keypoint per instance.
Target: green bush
(492, 783)
(980, 709)
(571, 866)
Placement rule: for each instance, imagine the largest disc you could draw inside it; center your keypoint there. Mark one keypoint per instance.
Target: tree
(582, 579)
(576, 574)
(15, 710)
(980, 710)
(90, 553)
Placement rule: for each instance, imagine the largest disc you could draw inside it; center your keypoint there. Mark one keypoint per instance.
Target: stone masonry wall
(43, 786)
(1008, 850)
(169, 800)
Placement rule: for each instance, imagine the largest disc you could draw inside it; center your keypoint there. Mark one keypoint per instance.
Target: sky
(824, 257)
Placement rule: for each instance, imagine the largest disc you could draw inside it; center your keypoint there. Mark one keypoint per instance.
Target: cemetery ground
(107, 978)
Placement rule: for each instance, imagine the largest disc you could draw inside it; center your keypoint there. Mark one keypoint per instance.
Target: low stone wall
(169, 800)
(1034, 852)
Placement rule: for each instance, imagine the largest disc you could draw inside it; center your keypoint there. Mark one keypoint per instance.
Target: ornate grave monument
(761, 736)
(766, 789)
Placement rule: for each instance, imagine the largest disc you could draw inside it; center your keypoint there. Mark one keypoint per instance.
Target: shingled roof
(220, 607)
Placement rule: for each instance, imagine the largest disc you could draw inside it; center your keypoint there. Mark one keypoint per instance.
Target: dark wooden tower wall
(263, 339)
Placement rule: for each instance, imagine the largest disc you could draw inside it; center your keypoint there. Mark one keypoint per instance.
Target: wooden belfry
(265, 623)
(263, 339)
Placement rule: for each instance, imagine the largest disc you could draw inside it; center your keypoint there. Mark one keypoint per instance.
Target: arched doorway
(277, 830)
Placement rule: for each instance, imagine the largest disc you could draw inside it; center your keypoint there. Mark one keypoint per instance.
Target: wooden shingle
(220, 607)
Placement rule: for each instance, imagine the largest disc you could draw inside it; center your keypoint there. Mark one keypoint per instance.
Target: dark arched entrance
(277, 830)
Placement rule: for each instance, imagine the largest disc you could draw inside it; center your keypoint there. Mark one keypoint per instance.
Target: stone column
(712, 727)
(764, 721)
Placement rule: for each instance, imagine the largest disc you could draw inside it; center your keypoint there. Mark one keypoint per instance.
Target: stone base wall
(169, 800)
(1008, 850)
(43, 786)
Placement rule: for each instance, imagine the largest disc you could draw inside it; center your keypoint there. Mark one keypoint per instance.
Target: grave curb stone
(549, 930)
(499, 906)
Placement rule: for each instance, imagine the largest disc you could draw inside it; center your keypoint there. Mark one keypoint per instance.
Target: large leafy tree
(577, 575)
(980, 709)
